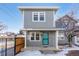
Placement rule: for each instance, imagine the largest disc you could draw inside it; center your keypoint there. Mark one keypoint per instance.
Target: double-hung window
(61, 36)
(37, 36)
(34, 36)
(35, 16)
(42, 16)
(38, 16)
(77, 39)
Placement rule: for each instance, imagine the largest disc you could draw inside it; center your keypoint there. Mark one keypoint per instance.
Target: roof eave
(25, 7)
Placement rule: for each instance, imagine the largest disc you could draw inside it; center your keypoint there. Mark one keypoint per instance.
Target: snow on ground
(9, 44)
(30, 53)
(38, 53)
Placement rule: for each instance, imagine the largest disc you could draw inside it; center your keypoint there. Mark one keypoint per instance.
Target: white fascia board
(38, 7)
(30, 29)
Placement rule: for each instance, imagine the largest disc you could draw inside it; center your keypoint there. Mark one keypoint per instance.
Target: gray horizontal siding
(60, 25)
(36, 25)
(52, 40)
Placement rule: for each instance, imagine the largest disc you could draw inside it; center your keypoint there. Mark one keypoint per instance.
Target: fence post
(1, 48)
(6, 47)
(15, 45)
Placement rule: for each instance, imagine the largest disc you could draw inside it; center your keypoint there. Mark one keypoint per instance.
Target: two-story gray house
(42, 30)
(39, 26)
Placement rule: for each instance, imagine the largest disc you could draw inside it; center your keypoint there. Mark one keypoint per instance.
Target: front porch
(38, 45)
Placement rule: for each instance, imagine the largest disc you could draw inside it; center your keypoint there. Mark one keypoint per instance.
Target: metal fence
(9, 46)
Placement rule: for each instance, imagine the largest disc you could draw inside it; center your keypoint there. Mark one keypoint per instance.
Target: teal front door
(45, 39)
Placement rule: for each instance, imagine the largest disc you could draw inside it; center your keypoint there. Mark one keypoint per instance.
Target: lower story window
(61, 38)
(77, 39)
(35, 36)
(32, 36)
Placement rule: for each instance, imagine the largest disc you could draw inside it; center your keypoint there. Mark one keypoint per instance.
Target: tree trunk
(70, 44)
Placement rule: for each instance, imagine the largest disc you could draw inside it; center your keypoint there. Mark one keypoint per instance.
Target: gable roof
(68, 17)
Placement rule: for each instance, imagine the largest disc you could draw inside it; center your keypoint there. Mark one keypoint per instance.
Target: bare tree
(70, 31)
(74, 10)
(2, 26)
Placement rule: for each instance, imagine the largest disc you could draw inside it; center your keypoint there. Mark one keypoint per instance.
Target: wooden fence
(19, 44)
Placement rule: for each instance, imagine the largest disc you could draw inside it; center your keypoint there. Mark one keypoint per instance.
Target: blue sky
(11, 16)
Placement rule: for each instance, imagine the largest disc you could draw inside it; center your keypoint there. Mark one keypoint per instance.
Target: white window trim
(65, 22)
(77, 39)
(62, 35)
(44, 17)
(33, 16)
(35, 36)
(38, 17)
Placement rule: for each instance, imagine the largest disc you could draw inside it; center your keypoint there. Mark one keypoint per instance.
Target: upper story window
(38, 16)
(66, 22)
(42, 16)
(35, 15)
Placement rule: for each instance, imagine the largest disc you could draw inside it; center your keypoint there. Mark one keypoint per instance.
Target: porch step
(45, 46)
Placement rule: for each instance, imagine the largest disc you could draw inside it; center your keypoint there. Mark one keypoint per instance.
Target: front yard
(66, 51)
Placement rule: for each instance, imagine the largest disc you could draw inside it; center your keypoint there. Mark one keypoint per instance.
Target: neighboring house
(41, 29)
(76, 41)
(7, 35)
(63, 22)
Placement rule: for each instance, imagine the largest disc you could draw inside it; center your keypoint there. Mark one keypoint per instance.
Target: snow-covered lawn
(9, 44)
(38, 53)
(10, 49)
